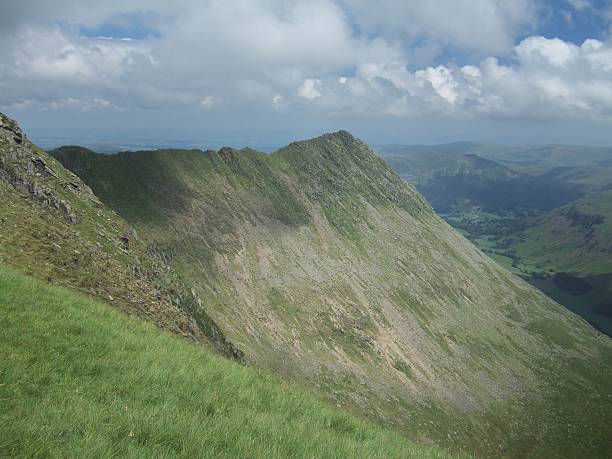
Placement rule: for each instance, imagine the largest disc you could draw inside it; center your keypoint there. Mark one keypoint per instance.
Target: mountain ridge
(66, 235)
(326, 267)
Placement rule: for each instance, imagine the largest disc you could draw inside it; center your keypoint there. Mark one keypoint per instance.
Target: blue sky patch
(135, 26)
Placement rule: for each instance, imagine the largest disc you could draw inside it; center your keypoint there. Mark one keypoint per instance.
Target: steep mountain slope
(575, 242)
(325, 266)
(591, 178)
(53, 227)
(77, 379)
(450, 179)
(576, 238)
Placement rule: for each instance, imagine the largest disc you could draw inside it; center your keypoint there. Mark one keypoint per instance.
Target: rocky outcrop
(26, 171)
(11, 127)
(53, 227)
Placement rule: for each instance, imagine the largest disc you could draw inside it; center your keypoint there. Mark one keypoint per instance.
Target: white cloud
(442, 81)
(543, 51)
(482, 26)
(207, 103)
(48, 54)
(310, 89)
(278, 102)
(580, 4)
(276, 55)
(549, 79)
(236, 52)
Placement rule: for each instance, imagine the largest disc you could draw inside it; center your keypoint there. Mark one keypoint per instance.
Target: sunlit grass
(79, 379)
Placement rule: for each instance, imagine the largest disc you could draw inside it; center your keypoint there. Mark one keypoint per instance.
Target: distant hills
(541, 159)
(574, 237)
(589, 178)
(577, 239)
(551, 227)
(531, 160)
(448, 179)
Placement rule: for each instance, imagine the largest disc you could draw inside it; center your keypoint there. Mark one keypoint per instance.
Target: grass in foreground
(79, 379)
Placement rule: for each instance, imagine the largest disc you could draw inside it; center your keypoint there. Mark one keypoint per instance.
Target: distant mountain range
(532, 160)
(447, 179)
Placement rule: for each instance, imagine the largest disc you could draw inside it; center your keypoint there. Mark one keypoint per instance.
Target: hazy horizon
(110, 141)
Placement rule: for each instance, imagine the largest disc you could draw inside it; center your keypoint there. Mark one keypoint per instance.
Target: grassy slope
(326, 267)
(592, 178)
(96, 252)
(78, 379)
(576, 238)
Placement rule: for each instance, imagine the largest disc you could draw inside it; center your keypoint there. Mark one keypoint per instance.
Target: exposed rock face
(25, 170)
(53, 227)
(11, 126)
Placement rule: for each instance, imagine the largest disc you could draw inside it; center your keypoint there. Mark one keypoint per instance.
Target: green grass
(485, 242)
(79, 379)
(504, 261)
(585, 305)
(574, 238)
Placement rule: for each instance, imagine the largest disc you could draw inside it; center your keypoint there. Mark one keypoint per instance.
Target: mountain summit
(323, 265)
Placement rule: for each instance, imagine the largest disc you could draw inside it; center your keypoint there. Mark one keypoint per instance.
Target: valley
(542, 213)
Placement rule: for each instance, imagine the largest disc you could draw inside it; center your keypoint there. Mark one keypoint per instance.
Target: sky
(265, 72)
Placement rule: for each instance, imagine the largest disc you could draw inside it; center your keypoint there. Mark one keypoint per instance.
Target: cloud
(580, 4)
(483, 26)
(343, 56)
(278, 102)
(310, 89)
(207, 102)
(83, 105)
(44, 64)
(50, 55)
(550, 79)
(238, 52)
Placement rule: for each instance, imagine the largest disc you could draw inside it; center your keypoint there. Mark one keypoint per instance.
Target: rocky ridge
(54, 227)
